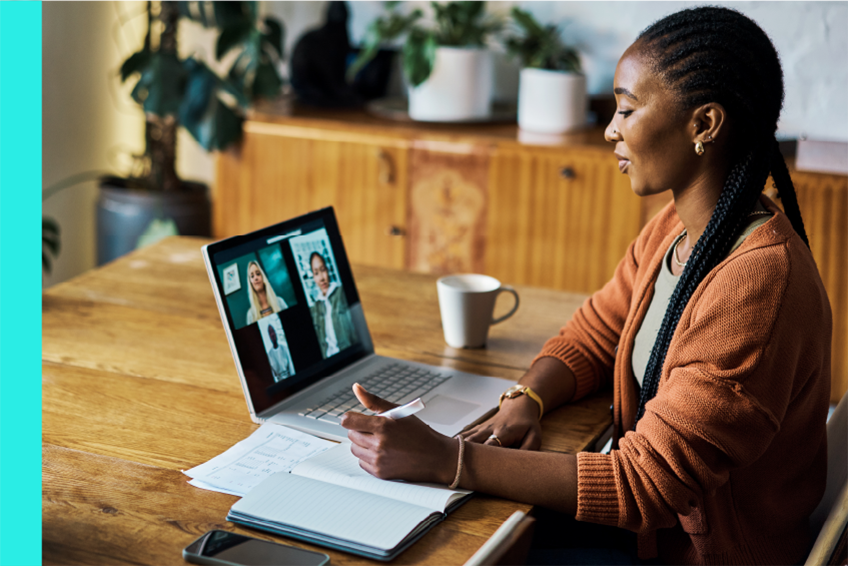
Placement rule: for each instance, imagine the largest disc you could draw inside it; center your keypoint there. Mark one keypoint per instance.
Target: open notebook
(330, 501)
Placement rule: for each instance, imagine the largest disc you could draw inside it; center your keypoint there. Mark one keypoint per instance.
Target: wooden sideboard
(545, 211)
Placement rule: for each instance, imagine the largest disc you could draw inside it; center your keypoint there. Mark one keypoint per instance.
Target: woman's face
(319, 272)
(255, 277)
(653, 141)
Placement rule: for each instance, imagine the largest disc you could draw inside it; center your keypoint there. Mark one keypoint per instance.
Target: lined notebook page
(338, 466)
(332, 510)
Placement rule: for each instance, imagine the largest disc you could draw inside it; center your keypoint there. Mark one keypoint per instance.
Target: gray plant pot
(125, 214)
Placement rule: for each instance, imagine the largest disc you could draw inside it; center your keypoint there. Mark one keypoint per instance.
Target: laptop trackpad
(445, 410)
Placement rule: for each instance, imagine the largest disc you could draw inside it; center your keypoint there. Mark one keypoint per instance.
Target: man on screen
(278, 356)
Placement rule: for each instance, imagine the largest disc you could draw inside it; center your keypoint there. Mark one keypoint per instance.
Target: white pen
(404, 410)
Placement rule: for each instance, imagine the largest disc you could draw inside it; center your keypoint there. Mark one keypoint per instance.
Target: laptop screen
(289, 300)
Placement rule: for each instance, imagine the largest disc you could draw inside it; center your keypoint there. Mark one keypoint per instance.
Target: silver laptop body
(317, 389)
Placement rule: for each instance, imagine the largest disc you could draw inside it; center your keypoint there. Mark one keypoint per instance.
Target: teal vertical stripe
(20, 289)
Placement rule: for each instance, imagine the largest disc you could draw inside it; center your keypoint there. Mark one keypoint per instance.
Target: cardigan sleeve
(753, 339)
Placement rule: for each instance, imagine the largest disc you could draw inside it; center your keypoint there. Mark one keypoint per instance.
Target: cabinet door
(279, 173)
(448, 195)
(823, 200)
(558, 219)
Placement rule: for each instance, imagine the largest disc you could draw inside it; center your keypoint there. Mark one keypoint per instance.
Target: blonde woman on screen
(263, 299)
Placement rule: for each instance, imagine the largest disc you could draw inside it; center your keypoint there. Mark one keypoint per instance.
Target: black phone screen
(222, 547)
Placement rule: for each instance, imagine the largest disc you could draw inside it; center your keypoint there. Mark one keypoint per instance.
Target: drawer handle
(567, 173)
(386, 175)
(396, 231)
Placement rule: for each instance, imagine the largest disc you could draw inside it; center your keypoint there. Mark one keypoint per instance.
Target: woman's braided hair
(711, 54)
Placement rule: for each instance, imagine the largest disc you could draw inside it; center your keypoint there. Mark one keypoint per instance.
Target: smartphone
(230, 549)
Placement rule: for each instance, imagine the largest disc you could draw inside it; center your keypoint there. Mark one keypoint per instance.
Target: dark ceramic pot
(125, 213)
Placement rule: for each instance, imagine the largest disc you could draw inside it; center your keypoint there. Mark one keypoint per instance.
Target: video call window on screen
(257, 285)
(319, 275)
(276, 348)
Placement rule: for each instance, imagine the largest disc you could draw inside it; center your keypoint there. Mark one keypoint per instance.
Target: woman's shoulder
(772, 270)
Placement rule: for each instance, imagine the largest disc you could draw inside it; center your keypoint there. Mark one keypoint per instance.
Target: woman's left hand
(404, 448)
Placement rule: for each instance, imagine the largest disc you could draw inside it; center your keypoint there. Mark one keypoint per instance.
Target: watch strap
(516, 391)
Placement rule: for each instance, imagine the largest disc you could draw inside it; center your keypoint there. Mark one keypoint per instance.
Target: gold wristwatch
(519, 389)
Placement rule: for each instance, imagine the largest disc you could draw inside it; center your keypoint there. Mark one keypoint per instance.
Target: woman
(714, 331)
(263, 299)
(330, 315)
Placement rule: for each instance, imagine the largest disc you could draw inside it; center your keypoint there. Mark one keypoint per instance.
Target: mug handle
(508, 289)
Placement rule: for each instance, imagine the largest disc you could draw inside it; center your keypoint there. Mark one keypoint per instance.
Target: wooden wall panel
(558, 219)
(274, 177)
(823, 200)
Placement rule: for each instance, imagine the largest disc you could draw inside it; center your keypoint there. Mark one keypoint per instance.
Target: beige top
(663, 289)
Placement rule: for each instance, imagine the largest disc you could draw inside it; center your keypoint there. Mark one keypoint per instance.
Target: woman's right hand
(516, 424)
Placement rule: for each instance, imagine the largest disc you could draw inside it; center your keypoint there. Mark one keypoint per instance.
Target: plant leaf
(368, 50)
(380, 31)
(419, 55)
(200, 86)
(50, 240)
(274, 35)
(162, 84)
(232, 13)
(217, 127)
(135, 63)
(230, 37)
(266, 82)
(538, 46)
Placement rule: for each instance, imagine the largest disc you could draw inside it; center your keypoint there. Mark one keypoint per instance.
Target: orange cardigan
(730, 458)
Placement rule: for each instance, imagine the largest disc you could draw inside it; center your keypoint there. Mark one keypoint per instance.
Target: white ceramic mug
(467, 303)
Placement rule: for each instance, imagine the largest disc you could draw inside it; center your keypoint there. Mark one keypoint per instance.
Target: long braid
(711, 248)
(718, 55)
(786, 191)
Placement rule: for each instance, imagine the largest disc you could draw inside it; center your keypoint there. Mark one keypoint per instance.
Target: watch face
(514, 391)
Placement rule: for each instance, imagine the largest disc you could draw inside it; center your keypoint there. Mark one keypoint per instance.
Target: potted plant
(552, 90)
(446, 62)
(153, 201)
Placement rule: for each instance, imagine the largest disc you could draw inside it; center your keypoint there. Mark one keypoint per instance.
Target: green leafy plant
(50, 243)
(455, 24)
(538, 46)
(185, 92)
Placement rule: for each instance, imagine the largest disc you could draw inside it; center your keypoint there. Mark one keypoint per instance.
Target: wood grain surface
(138, 384)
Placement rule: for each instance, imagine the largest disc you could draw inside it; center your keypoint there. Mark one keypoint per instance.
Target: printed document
(271, 448)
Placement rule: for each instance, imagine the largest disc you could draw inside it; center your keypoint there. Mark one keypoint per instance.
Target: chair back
(830, 519)
(510, 544)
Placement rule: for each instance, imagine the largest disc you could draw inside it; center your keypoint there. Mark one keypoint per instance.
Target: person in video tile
(278, 357)
(263, 299)
(330, 314)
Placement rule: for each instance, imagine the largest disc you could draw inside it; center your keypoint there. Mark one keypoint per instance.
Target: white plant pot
(459, 88)
(551, 102)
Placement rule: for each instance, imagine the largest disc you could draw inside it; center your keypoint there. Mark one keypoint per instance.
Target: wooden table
(138, 384)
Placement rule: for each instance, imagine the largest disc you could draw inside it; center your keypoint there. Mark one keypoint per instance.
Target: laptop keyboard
(392, 382)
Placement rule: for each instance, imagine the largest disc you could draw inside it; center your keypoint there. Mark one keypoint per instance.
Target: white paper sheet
(340, 467)
(271, 448)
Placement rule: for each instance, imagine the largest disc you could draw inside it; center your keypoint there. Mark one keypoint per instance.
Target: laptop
(299, 339)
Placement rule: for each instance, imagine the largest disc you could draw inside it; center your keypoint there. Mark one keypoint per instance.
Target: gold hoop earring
(699, 148)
